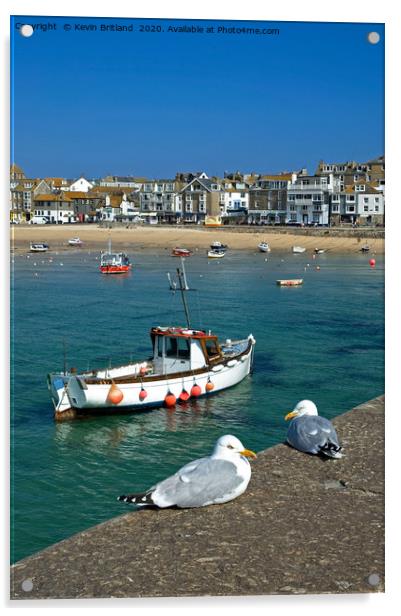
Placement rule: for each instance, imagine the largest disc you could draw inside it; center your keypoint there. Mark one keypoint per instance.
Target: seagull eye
(230, 447)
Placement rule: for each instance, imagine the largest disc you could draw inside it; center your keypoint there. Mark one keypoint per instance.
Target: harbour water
(323, 341)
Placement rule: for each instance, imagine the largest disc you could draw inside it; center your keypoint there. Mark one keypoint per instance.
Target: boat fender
(115, 394)
(170, 399)
(195, 390)
(143, 394)
(209, 385)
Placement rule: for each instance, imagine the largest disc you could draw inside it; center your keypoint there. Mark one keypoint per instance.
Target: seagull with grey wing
(213, 480)
(310, 433)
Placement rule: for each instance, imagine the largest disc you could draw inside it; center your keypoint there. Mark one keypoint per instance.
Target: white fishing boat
(319, 251)
(365, 248)
(185, 363)
(39, 247)
(216, 253)
(75, 241)
(298, 249)
(264, 247)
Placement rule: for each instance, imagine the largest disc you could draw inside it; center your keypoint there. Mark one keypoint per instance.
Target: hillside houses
(338, 193)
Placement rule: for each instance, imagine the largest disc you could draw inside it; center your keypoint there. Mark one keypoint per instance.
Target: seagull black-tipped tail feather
(330, 450)
(143, 498)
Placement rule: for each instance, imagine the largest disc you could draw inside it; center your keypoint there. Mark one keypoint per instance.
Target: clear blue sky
(150, 104)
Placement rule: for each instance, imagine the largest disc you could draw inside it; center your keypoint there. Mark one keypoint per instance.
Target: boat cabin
(116, 258)
(177, 349)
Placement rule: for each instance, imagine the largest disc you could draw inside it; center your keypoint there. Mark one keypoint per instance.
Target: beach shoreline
(155, 237)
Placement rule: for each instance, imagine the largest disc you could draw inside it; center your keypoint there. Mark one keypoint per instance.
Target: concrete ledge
(304, 525)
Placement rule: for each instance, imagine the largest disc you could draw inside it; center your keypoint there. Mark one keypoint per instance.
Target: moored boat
(264, 247)
(319, 251)
(75, 241)
(216, 253)
(186, 363)
(365, 248)
(217, 244)
(114, 262)
(181, 252)
(290, 282)
(298, 249)
(39, 247)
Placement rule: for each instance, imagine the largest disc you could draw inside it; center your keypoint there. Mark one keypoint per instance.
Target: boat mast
(184, 301)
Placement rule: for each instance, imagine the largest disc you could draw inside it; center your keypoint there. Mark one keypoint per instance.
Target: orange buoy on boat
(115, 394)
(209, 385)
(195, 390)
(184, 395)
(143, 394)
(170, 399)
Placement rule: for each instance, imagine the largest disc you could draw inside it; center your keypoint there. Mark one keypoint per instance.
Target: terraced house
(268, 199)
(199, 198)
(158, 198)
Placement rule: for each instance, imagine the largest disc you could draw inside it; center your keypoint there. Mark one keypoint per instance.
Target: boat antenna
(65, 355)
(184, 301)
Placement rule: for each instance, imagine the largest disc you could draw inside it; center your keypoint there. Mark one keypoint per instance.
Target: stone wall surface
(304, 525)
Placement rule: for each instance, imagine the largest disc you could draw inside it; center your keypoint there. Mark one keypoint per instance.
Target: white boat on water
(319, 251)
(39, 247)
(185, 363)
(298, 249)
(75, 241)
(216, 253)
(264, 247)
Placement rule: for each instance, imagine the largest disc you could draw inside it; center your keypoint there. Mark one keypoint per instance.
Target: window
(376, 208)
(351, 208)
(366, 208)
(211, 348)
(304, 207)
(366, 200)
(334, 208)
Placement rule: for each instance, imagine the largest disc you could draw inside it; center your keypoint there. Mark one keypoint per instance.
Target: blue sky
(150, 103)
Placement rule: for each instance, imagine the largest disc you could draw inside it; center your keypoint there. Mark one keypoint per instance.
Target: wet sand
(143, 237)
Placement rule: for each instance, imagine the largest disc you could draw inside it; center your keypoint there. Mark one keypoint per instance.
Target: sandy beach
(165, 238)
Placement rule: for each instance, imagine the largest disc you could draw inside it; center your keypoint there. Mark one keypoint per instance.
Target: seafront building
(338, 193)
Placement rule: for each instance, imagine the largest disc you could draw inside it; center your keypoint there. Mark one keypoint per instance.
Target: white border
(291, 10)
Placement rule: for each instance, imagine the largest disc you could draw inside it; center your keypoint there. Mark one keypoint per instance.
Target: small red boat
(114, 262)
(181, 252)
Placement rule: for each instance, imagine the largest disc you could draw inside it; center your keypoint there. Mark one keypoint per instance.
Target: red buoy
(143, 394)
(209, 385)
(195, 390)
(184, 395)
(115, 394)
(372, 262)
(170, 399)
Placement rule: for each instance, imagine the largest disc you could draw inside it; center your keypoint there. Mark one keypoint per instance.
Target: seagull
(216, 479)
(310, 433)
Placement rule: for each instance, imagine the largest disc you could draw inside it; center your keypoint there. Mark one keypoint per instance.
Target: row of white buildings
(337, 193)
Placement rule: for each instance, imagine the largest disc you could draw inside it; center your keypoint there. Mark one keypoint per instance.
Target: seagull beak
(291, 415)
(248, 453)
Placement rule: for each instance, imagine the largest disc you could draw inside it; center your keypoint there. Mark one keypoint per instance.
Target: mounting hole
(373, 579)
(27, 585)
(26, 30)
(373, 38)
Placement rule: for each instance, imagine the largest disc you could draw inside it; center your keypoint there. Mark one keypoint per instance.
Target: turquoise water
(323, 341)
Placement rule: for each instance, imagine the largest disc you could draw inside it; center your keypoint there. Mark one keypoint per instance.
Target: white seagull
(208, 481)
(310, 433)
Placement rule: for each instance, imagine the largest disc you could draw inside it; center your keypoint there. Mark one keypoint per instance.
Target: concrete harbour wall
(305, 525)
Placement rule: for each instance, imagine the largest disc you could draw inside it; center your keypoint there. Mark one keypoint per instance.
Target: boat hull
(74, 392)
(115, 269)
